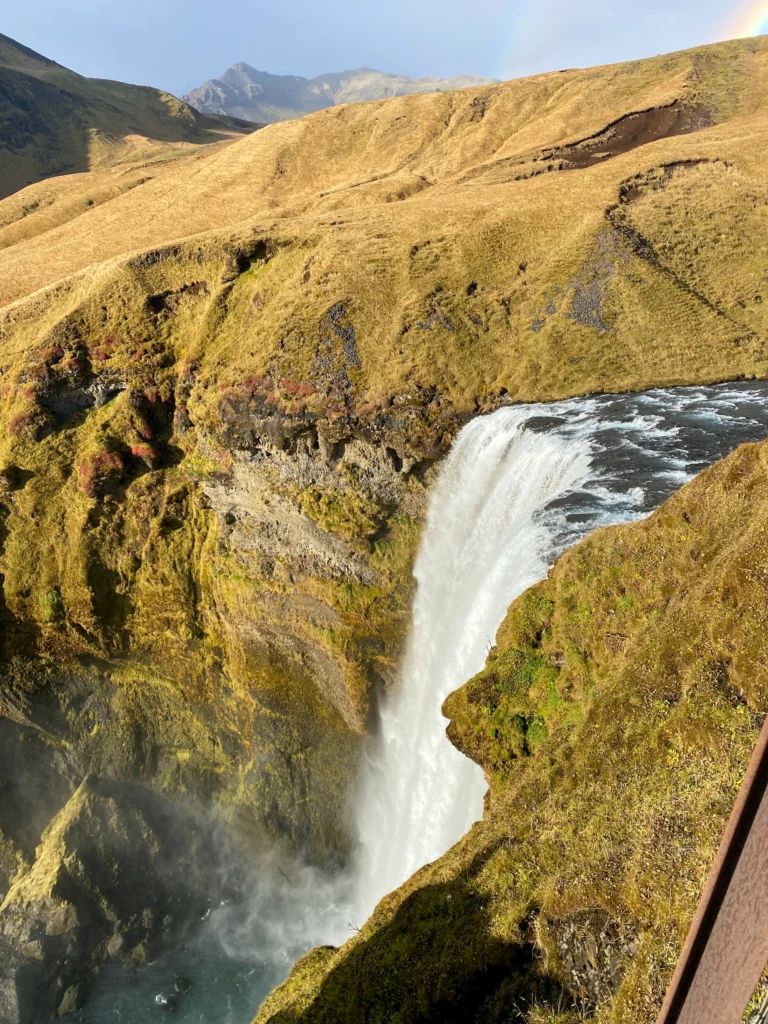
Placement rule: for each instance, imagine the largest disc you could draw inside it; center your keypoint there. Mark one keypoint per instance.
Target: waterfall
(518, 487)
(482, 547)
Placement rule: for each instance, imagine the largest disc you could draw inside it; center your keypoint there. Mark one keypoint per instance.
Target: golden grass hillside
(614, 719)
(216, 446)
(578, 231)
(53, 121)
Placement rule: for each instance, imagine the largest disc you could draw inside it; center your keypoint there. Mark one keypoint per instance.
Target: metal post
(727, 947)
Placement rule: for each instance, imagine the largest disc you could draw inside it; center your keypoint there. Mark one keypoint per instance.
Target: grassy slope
(614, 719)
(371, 272)
(456, 273)
(53, 121)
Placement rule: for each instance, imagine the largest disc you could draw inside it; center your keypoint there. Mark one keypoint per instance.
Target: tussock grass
(460, 255)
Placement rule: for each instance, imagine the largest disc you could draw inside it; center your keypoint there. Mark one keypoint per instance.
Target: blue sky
(177, 44)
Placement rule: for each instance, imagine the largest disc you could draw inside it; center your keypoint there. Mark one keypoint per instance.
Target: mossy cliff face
(614, 720)
(204, 583)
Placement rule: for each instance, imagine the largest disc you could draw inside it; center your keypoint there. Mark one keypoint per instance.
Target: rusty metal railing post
(727, 946)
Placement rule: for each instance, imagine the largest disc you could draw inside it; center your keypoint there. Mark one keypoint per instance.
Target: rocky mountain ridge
(244, 92)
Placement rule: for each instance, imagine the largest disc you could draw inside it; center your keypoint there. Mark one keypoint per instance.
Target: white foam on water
(491, 532)
(482, 547)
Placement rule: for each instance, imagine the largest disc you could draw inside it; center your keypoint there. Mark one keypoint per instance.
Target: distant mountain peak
(245, 92)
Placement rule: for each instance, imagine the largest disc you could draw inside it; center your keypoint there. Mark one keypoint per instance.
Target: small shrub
(257, 383)
(100, 472)
(52, 605)
(74, 365)
(54, 354)
(145, 432)
(147, 454)
(19, 423)
(293, 389)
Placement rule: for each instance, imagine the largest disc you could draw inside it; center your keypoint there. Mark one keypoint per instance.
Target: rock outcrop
(119, 873)
(204, 588)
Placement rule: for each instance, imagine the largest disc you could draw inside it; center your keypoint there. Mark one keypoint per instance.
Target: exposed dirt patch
(261, 252)
(478, 109)
(589, 287)
(629, 132)
(655, 179)
(166, 302)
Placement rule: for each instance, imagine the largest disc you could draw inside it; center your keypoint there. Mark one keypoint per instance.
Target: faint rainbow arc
(750, 20)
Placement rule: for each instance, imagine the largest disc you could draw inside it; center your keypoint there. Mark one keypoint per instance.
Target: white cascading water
(482, 547)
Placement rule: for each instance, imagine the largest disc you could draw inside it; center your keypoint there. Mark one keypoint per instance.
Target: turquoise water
(212, 987)
(239, 954)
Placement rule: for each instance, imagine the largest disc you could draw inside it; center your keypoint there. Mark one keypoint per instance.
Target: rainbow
(750, 20)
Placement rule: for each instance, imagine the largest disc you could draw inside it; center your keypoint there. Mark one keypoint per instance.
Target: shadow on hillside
(32, 790)
(435, 962)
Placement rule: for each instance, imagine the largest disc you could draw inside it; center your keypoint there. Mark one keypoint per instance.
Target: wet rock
(70, 1002)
